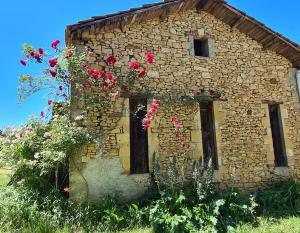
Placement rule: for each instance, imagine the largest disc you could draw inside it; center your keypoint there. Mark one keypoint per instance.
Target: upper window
(201, 47)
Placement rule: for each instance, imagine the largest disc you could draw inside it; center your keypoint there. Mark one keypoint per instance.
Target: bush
(281, 199)
(37, 151)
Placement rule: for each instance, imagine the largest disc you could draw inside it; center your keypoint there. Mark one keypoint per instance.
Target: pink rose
(54, 44)
(149, 57)
(41, 51)
(53, 62)
(134, 65)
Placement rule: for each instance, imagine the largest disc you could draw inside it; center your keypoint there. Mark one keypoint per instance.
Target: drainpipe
(298, 82)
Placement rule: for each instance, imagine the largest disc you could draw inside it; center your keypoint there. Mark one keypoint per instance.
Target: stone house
(254, 135)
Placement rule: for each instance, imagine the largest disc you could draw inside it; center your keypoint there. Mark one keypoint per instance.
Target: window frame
(279, 147)
(135, 141)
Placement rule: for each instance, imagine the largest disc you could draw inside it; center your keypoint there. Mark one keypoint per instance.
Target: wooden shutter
(208, 135)
(138, 137)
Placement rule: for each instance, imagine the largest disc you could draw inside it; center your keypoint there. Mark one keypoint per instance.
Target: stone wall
(246, 74)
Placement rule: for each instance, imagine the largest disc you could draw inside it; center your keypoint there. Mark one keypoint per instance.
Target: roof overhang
(218, 8)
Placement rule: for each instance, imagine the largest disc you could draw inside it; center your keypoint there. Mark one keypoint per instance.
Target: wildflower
(49, 102)
(111, 60)
(23, 62)
(134, 65)
(42, 114)
(53, 62)
(54, 44)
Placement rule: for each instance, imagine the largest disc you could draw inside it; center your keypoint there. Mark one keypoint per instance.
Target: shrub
(37, 150)
(281, 199)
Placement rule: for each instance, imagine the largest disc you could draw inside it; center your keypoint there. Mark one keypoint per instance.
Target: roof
(219, 8)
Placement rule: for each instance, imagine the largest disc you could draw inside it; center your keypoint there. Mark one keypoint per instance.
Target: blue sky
(40, 22)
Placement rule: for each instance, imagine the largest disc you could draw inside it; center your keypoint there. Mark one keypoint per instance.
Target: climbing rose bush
(64, 66)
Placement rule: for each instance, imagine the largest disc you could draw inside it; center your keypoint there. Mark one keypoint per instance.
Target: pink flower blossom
(149, 57)
(23, 62)
(109, 76)
(42, 114)
(54, 44)
(134, 65)
(38, 57)
(53, 62)
(49, 102)
(102, 74)
(41, 51)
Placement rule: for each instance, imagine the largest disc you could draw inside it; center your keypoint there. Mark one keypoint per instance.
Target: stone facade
(247, 74)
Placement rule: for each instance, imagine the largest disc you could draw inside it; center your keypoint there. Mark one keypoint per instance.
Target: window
(277, 135)
(138, 137)
(208, 135)
(201, 47)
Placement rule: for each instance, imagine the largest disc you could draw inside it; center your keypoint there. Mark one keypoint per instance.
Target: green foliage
(281, 199)
(37, 149)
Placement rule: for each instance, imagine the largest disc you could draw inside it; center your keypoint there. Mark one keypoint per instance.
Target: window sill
(282, 171)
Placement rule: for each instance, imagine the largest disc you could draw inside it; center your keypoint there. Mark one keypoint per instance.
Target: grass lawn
(4, 176)
(285, 225)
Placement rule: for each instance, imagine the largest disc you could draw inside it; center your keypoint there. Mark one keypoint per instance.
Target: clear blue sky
(40, 22)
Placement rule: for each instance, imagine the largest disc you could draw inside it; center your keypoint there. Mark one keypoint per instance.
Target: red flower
(54, 44)
(142, 73)
(104, 85)
(111, 60)
(84, 66)
(53, 73)
(156, 101)
(90, 71)
(49, 102)
(23, 62)
(42, 114)
(53, 62)
(60, 88)
(41, 51)
(149, 57)
(134, 65)
(38, 57)
(102, 74)
(109, 76)
(177, 135)
(32, 53)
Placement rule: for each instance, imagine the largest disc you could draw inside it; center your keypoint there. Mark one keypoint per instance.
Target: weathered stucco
(240, 67)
